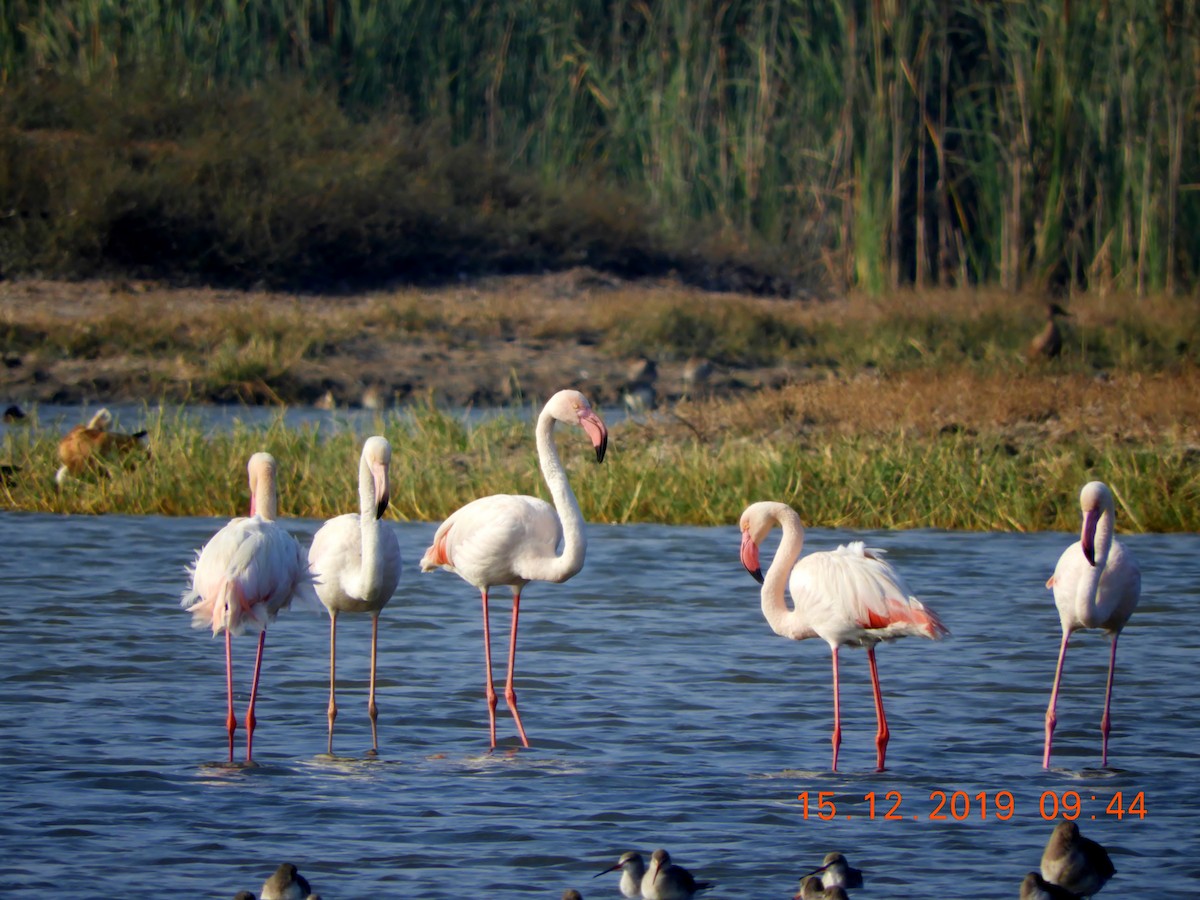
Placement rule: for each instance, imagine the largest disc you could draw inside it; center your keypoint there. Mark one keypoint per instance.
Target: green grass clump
(891, 479)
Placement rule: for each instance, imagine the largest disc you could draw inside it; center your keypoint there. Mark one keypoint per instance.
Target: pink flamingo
(1096, 584)
(849, 597)
(507, 539)
(355, 562)
(249, 571)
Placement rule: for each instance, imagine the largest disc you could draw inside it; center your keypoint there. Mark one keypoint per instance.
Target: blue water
(661, 708)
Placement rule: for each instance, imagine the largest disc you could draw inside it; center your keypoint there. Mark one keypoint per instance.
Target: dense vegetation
(755, 145)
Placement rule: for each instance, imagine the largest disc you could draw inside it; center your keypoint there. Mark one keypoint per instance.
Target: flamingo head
(756, 523)
(377, 455)
(1094, 501)
(573, 408)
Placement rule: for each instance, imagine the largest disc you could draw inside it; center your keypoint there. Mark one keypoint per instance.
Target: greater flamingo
(666, 881)
(355, 562)
(849, 597)
(512, 540)
(1078, 864)
(633, 868)
(249, 571)
(1096, 584)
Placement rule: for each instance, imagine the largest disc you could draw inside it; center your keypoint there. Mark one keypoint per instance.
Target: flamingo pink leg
(262, 639)
(372, 709)
(1105, 723)
(487, 659)
(230, 718)
(882, 735)
(1051, 718)
(837, 713)
(510, 695)
(331, 710)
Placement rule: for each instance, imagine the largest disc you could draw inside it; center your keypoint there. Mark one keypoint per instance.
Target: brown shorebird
(1035, 887)
(811, 889)
(286, 884)
(633, 868)
(1049, 341)
(666, 881)
(1074, 862)
(87, 447)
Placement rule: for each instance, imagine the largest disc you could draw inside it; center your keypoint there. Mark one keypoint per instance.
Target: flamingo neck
(369, 525)
(559, 568)
(1089, 584)
(266, 500)
(774, 602)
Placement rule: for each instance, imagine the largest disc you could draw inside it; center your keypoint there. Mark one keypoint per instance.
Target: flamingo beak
(606, 871)
(596, 431)
(750, 557)
(382, 494)
(1087, 540)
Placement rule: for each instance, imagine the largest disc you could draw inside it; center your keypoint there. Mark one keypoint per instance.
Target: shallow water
(661, 709)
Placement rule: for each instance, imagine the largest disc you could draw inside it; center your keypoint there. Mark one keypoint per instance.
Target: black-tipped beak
(756, 574)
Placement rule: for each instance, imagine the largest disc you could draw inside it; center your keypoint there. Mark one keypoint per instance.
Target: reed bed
(927, 142)
(966, 452)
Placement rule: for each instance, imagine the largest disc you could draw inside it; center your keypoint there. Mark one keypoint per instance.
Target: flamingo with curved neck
(1096, 584)
(355, 561)
(508, 539)
(849, 597)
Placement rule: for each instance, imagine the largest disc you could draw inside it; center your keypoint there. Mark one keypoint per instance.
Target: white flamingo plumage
(1096, 584)
(355, 561)
(512, 540)
(244, 576)
(849, 597)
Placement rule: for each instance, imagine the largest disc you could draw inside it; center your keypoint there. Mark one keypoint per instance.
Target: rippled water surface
(661, 709)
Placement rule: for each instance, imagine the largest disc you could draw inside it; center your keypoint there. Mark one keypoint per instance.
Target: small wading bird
(633, 868)
(1049, 341)
(1035, 887)
(86, 448)
(355, 563)
(1096, 584)
(811, 889)
(249, 571)
(666, 881)
(849, 597)
(286, 884)
(1075, 863)
(512, 540)
(14, 415)
(835, 871)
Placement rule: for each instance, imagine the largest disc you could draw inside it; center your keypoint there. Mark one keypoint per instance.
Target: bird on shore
(1075, 863)
(835, 871)
(355, 563)
(849, 597)
(86, 448)
(666, 881)
(1096, 584)
(633, 868)
(512, 540)
(286, 883)
(249, 572)
(1048, 343)
(1035, 887)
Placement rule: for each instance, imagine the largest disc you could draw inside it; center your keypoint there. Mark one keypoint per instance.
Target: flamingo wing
(852, 596)
(486, 540)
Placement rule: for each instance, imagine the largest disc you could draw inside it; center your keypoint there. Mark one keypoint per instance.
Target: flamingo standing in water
(249, 571)
(508, 539)
(355, 562)
(1096, 584)
(849, 597)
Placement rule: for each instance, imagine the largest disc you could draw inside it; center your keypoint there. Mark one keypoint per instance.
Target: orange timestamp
(959, 806)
